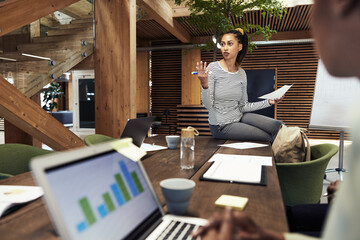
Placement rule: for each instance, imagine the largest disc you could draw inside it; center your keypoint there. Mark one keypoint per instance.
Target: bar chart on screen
(126, 186)
(95, 195)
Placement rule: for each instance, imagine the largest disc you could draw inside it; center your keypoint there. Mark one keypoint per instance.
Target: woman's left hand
(276, 100)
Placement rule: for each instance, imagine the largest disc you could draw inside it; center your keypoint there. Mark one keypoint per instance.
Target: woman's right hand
(202, 74)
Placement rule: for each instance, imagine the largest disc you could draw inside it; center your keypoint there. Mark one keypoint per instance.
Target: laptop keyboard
(178, 230)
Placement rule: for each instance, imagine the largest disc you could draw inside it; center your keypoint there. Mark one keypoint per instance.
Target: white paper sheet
(234, 171)
(151, 147)
(244, 145)
(11, 195)
(261, 160)
(278, 93)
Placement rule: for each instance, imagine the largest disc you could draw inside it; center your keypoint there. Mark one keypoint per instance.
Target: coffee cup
(172, 141)
(177, 193)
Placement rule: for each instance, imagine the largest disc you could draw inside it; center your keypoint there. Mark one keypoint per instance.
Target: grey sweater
(226, 98)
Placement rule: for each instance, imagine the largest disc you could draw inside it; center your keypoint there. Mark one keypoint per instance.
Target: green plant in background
(215, 16)
(52, 93)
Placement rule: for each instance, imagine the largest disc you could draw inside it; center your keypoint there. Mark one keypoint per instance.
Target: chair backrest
(15, 158)
(302, 183)
(97, 138)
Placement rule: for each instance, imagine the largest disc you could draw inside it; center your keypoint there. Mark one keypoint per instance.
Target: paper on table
(244, 145)
(278, 93)
(13, 195)
(264, 161)
(234, 171)
(151, 147)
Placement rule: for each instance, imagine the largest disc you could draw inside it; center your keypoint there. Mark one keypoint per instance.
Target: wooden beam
(179, 10)
(115, 65)
(162, 13)
(15, 14)
(25, 114)
(190, 84)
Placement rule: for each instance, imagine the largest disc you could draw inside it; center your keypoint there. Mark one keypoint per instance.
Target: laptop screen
(102, 197)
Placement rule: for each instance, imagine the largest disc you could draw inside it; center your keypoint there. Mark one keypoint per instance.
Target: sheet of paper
(234, 171)
(128, 149)
(244, 145)
(264, 161)
(151, 147)
(11, 195)
(278, 93)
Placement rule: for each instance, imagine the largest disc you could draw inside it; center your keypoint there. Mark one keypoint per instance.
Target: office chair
(302, 183)
(15, 158)
(97, 138)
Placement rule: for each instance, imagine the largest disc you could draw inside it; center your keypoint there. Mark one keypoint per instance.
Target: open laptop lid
(137, 129)
(97, 193)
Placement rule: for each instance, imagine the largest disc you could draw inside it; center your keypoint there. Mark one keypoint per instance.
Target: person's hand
(276, 100)
(202, 74)
(235, 226)
(331, 190)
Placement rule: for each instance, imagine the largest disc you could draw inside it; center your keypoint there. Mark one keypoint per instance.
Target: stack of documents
(234, 171)
(238, 168)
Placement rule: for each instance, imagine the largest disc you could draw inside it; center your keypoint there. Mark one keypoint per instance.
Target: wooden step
(71, 31)
(77, 25)
(86, 36)
(64, 45)
(83, 20)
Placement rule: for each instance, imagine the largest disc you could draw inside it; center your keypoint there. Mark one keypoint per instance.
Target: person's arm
(235, 225)
(331, 190)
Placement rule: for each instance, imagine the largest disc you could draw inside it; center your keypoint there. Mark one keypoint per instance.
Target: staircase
(64, 47)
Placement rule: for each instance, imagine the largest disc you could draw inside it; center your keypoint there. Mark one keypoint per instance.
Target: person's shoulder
(241, 70)
(213, 66)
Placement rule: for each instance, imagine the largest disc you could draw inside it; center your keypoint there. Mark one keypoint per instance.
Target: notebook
(137, 129)
(98, 193)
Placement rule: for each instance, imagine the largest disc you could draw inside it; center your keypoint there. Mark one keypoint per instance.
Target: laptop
(137, 129)
(98, 193)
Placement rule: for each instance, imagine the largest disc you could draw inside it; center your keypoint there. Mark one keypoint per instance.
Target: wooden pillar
(190, 84)
(115, 65)
(142, 82)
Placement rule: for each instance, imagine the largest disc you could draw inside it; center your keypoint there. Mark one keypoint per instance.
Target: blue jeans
(252, 127)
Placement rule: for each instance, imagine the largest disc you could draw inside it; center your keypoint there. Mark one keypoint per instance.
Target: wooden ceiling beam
(25, 114)
(16, 14)
(162, 13)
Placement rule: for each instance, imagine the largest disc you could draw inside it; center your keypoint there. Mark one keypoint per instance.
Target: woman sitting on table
(223, 93)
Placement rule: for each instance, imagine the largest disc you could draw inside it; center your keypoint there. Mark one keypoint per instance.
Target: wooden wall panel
(166, 84)
(142, 82)
(190, 83)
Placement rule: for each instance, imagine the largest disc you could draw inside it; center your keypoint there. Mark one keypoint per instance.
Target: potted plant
(51, 96)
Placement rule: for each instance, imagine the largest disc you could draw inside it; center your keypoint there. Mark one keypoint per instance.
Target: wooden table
(265, 203)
